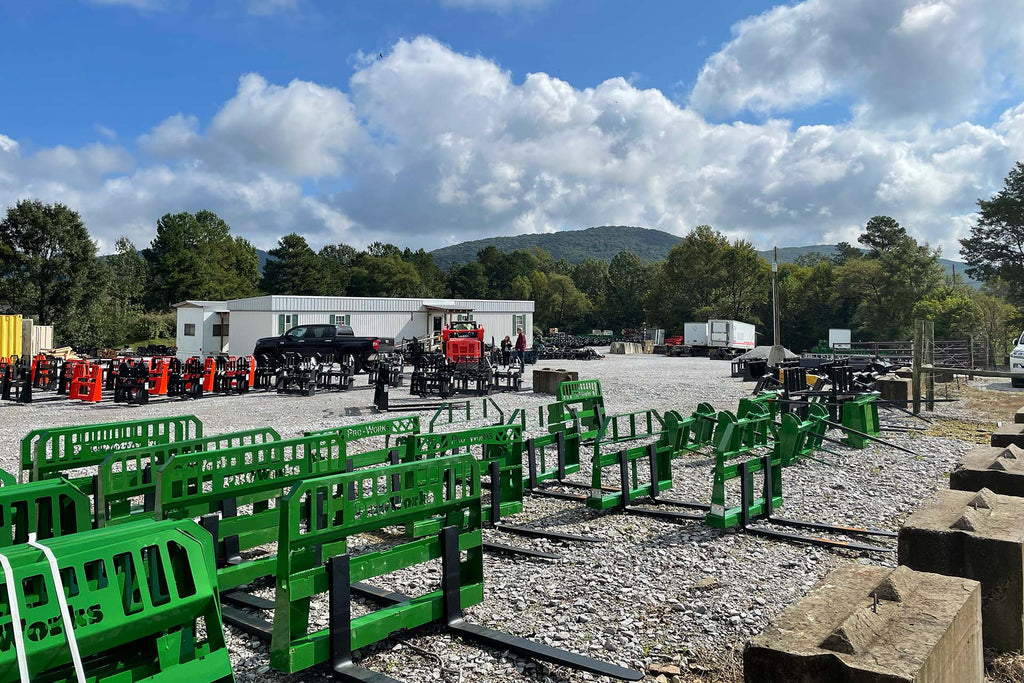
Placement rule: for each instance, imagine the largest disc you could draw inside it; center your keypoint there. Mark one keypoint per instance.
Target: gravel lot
(655, 594)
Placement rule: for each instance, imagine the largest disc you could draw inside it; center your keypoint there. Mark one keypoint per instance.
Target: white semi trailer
(720, 339)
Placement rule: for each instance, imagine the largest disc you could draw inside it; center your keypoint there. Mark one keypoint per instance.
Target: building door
(438, 323)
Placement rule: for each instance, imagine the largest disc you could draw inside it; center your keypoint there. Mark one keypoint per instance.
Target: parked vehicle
(1017, 363)
(718, 339)
(336, 341)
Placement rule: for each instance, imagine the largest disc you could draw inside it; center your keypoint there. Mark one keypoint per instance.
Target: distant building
(207, 328)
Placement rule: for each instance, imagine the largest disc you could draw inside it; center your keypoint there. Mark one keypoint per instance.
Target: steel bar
(248, 623)
(866, 436)
(544, 533)
(839, 529)
(816, 540)
(240, 598)
(517, 550)
(669, 515)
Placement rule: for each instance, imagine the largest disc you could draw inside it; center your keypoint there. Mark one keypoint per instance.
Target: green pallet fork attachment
(215, 485)
(796, 438)
(689, 434)
(455, 412)
(7, 479)
(725, 516)
(125, 476)
(581, 400)
(657, 457)
(134, 595)
(395, 433)
(860, 414)
(50, 508)
(48, 452)
(768, 399)
(500, 453)
(366, 501)
(735, 436)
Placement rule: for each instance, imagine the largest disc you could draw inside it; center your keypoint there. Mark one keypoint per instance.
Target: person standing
(506, 350)
(521, 347)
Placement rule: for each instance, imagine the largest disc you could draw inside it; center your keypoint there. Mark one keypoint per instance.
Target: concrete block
(893, 388)
(1009, 434)
(1000, 470)
(625, 348)
(546, 380)
(926, 628)
(1018, 417)
(974, 536)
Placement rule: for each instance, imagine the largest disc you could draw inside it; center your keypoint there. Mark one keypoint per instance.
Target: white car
(1017, 363)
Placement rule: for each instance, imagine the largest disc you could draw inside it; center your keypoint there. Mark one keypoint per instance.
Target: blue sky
(419, 122)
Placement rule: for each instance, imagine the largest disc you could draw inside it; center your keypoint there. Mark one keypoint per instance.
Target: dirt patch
(1005, 668)
(973, 432)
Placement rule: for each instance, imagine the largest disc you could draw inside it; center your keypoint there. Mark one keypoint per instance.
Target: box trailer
(695, 334)
(730, 338)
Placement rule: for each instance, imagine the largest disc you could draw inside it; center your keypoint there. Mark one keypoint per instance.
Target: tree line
(50, 270)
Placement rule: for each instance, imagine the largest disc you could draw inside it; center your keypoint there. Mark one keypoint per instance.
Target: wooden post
(970, 354)
(929, 331)
(915, 384)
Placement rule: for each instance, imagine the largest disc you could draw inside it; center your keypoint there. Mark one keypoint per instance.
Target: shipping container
(731, 334)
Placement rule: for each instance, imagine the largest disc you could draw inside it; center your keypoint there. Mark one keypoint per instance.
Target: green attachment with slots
(7, 479)
(563, 444)
(124, 476)
(224, 481)
(48, 452)
(796, 438)
(364, 501)
(735, 436)
(722, 515)
(765, 398)
(455, 412)
(581, 400)
(500, 444)
(521, 416)
(50, 508)
(135, 596)
(860, 414)
(656, 456)
(689, 434)
(395, 432)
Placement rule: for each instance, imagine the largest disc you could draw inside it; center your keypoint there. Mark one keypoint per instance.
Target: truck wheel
(357, 365)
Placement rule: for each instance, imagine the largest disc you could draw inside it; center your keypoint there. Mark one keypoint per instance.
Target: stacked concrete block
(1000, 470)
(864, 624)
(979, 536)
(1011, 434)
(546, 380)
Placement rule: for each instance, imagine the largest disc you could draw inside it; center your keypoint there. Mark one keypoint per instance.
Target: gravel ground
(676, 599)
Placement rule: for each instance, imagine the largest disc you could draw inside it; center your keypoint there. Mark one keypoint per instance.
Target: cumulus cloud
(930, 60)
(427, 145)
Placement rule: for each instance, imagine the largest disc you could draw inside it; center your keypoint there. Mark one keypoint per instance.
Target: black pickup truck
(335, 341)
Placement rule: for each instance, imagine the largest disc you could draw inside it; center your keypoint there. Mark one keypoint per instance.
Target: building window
(464, 317)
(220, 330)
(518, 321)
(286, 321)
(341, 319)
(190, 329)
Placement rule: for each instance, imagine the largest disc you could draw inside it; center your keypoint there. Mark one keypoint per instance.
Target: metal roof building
(211, 327)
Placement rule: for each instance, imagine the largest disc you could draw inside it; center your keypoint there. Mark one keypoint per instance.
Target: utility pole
(775, 298)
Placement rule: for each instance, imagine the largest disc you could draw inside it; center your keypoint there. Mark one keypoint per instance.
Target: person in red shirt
(521, 347)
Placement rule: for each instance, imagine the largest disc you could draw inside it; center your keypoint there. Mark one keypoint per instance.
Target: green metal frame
(398, 428)
(500, 444)
(126, 475)
(48, 452)
(626, 428)
(735, 436)
(222, 481)
(50, 508)
(723, 516)
(765, 398)
(565, 437)
(587, 395)
(135, 594)
(7, 479)
(690, 434)
(521, 416)
(796, 438)
(445, 488)
(861, 414)
(452, 412)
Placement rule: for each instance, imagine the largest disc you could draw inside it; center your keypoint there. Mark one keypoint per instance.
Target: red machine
(462, 341)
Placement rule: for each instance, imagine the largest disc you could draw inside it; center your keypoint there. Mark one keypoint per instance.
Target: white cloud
(500, 6)
(918, 60)
(429, 145)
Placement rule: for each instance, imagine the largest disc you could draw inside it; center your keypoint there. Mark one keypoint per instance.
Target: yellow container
(10, 336)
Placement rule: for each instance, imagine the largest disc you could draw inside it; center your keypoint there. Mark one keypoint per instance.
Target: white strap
(19, 636)
(65, 612)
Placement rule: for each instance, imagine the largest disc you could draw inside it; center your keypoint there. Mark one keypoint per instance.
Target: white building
(211, 327)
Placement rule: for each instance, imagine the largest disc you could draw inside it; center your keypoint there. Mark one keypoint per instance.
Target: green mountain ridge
(604, 242)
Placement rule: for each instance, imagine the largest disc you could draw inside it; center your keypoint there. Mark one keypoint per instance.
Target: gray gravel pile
(671, 598)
